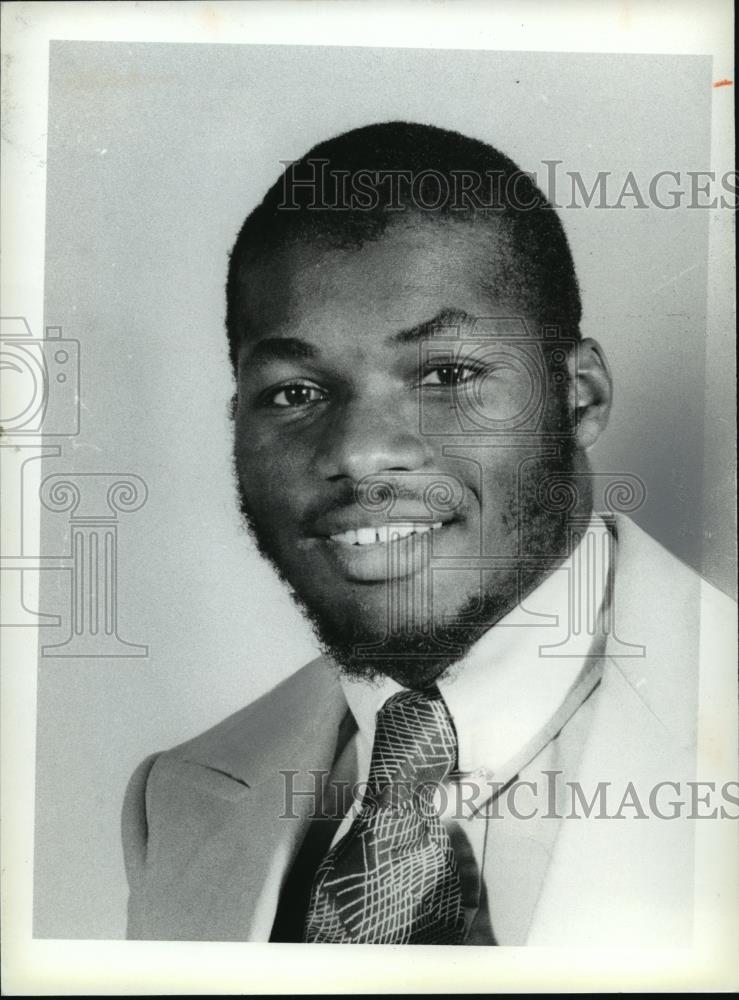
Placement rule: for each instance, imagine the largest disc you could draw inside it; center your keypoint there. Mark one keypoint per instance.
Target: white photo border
(46, 967)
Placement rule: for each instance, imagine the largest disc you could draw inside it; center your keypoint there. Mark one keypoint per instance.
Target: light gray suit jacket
(207, 851)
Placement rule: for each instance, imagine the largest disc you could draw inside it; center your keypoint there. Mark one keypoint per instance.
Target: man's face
(385, 459)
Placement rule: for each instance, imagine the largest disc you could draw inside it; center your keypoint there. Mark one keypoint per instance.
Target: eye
(295, 394)
(449, 375)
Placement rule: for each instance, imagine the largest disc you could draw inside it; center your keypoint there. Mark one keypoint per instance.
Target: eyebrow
(294, 349)
(440, 323)
(280, 349)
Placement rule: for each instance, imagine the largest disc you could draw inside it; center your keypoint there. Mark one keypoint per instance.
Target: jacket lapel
(627, 879)
(223, 826)
(615, 878)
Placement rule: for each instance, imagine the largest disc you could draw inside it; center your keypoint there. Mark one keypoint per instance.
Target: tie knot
(415, 742)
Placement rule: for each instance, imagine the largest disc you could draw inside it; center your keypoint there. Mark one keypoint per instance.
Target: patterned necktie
(392, 879)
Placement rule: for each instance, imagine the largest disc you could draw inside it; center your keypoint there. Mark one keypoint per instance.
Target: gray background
(156, 154)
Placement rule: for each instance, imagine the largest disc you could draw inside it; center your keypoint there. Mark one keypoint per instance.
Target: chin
(414, 655)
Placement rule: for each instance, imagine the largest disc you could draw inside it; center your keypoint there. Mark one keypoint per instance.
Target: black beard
(416, 659)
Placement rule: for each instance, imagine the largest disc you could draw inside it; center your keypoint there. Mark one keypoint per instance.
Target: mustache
(427, 494)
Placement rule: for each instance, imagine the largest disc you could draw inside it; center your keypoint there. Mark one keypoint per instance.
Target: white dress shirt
(521, 701)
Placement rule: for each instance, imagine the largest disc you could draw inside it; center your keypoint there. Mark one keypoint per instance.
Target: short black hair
(349, 189)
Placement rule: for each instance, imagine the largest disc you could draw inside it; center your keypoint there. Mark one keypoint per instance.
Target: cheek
(510, 482)
(499, 499)
(258, 464)
(273, 479)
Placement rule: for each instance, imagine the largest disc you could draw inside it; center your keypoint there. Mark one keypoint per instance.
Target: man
(508, 675)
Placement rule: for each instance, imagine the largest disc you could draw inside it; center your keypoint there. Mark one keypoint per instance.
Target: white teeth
(383, 534)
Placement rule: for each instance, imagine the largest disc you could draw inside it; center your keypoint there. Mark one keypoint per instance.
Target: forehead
(412, 272)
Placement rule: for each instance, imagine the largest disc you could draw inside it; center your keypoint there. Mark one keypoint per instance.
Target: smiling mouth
(383, 534)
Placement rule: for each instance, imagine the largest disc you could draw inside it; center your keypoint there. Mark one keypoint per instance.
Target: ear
(591, 390)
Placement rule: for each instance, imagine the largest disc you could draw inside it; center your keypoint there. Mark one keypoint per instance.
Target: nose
(373, 437)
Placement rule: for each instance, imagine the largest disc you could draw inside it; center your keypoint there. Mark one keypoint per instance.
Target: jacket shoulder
(651, 568)
(134, 828)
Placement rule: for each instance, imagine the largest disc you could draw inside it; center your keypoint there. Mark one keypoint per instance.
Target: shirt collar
(525, 676)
